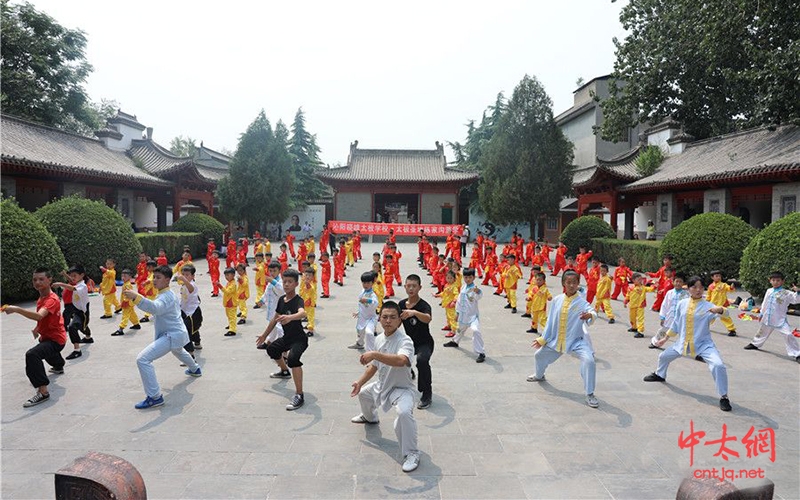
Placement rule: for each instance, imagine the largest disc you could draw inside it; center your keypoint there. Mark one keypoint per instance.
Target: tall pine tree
(258, 187)
(305, 154)
(526, 164)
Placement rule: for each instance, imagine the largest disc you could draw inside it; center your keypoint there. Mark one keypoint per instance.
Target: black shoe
(230, 333)
(638, 335)
(57, 371)
(425, 402)
(262, 346)
(74, 354)
(725, 404)
(309, 333)
(526, 315)
(241, 321)
(118, 311)
(281, 374)
(653, 377)
(256, 306)
(508, 306)
(750, 347)
(531, 330)
(105, 316)
(136, 327)
(38, 398)
(797, 359)
(297, 402)
(450, 344)
(611, 321)
(651, 346)
(414, 374)
(699, 358)
(731, 333)
(144, 320)
(513, 310)
(737, 301)
(118, 333)
(86, 340)
(481, 358)
(633, 330)
(215, 295)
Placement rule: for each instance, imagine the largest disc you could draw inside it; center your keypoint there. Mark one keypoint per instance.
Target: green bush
(579, 233)
(206, 225)
(173, 244)
(774, 248)
(639, 255)
(26, 246)
(708, 242)
(89, 232)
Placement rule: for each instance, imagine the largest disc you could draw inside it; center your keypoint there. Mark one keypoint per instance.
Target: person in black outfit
(416, 316)
(289, 312)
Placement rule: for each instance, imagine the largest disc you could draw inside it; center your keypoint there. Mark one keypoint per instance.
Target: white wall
(354, 207)
(579, 131)
(431, 210)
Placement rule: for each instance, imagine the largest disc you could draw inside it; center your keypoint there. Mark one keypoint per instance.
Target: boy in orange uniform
(290, 243)
(283, 258)
(338, 265)
(128, 312)
(539, 295)
(582, 261)
(475, 260)
(357, 246)
(512, 275)
(449, 296)
(161, 260)
(213, 271)
(659, 276)
(325, 264)
(530, 250)
(141, 272)
(592, 278)
(210, 249)
(230, 257)
(718, 295)
(622, 274)
(242, 292)
(637, 298)
(389, 274)
(544, 251)
(603, 297)
(229, 301)
(108, 288)
(561, 260)
(490, 267)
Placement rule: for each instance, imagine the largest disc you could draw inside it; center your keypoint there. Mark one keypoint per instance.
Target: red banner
(343, 227)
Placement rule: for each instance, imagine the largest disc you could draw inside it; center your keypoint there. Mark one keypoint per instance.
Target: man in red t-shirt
(50, 332)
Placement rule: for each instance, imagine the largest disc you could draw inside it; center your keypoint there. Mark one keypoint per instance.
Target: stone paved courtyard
(488, 434)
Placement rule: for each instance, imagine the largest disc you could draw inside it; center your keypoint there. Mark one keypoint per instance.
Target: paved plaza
(488, 434)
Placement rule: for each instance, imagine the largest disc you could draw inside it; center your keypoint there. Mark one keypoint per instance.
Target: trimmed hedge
(26, 246)
(173, 244)
(206, 225)
(707, 242)
(581, 231)
(774, 248)
(89, 232)
(639, 255)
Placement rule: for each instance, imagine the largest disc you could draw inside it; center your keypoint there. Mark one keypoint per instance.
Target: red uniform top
(290, 240)
(66, 295)
(213, 266)
(302, 253)
(232, 249)
(622, 274)
(390, 269)
(561, 251)
(162, 260)
(536, 260)
(581, 260)
(544, 251)
(659, 275)
(210, 249)
(242, 257)
(326, 268)
(392, 238)
(51, 327)
(245, 244)
(593, 277)
(284, 260)
(141, 277)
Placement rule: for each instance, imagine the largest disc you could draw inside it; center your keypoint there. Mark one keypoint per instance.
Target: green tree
(305, 153)
(715, 66)
(183, 146)
(526, 165)
(44, 68)
(259, 185)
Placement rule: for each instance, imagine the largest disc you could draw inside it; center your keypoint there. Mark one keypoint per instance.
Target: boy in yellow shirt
(242, 292)
(186, 259)
(377, 285)
(449, 296)
(717, 294)
(637, 298)
(308, 292)
(512, 274)
(108, 288)
(540, 295)
(261, 278)
(128, 312)
(229, 301)
(602, 298)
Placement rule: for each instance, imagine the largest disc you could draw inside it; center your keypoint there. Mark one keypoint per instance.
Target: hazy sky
(391, 75)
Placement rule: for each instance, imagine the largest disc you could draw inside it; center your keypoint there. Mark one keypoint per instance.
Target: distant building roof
(52, 151)
(160, 161)
(621, 167)
(740, 156)
(397, 165)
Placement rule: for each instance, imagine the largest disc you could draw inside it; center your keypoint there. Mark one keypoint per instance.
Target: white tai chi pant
(366, 336)
(477, 338)
(709, 354)
(546, 355)
(160, 347)
(405, 427)
(792, 348)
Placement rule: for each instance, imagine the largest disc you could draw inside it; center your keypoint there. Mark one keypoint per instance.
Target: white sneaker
(411, 462)
(361, 419)
(534, 378)
(592, 401)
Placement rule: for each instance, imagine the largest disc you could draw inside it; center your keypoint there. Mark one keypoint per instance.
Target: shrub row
(172, 243)
(206, 225)
(639, 255)
(581, 231)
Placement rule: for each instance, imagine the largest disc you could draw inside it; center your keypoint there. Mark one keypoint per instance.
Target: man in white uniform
(391, 359)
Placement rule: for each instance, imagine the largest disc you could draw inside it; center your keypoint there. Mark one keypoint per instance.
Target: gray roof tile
(397, 165)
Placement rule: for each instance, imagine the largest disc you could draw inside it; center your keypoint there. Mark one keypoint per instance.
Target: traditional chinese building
(144, 181)
(401, 184)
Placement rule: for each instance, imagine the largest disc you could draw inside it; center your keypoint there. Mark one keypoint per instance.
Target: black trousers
(423, 352)
(193, 324)
(77, 321)
(49, 351)
(463, 249)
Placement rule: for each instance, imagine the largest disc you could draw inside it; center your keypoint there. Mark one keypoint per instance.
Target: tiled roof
(161, 162)
(29, 144)
(734, 156)
(621, 167)
(397, 165)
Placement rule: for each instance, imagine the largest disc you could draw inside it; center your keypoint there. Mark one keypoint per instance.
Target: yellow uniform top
(242, 287)
(108, 285)
(449, 295)
(179, 266)
(308, 292)
(378, 287)
(267, 247)
(229, 294)
(261, 274)
(512, 274)
(718, 293)
(149, 288)
(540, 297)
(604, 287)
(638, 295)
(459, 281)
(125, 303)
(349, 246)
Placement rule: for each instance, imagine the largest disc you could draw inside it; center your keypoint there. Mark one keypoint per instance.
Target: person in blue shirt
(170, 336)
(565, 333)
(691, 323)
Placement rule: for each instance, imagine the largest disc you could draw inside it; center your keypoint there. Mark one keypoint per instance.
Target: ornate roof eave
(71, 172)
(783, 172)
